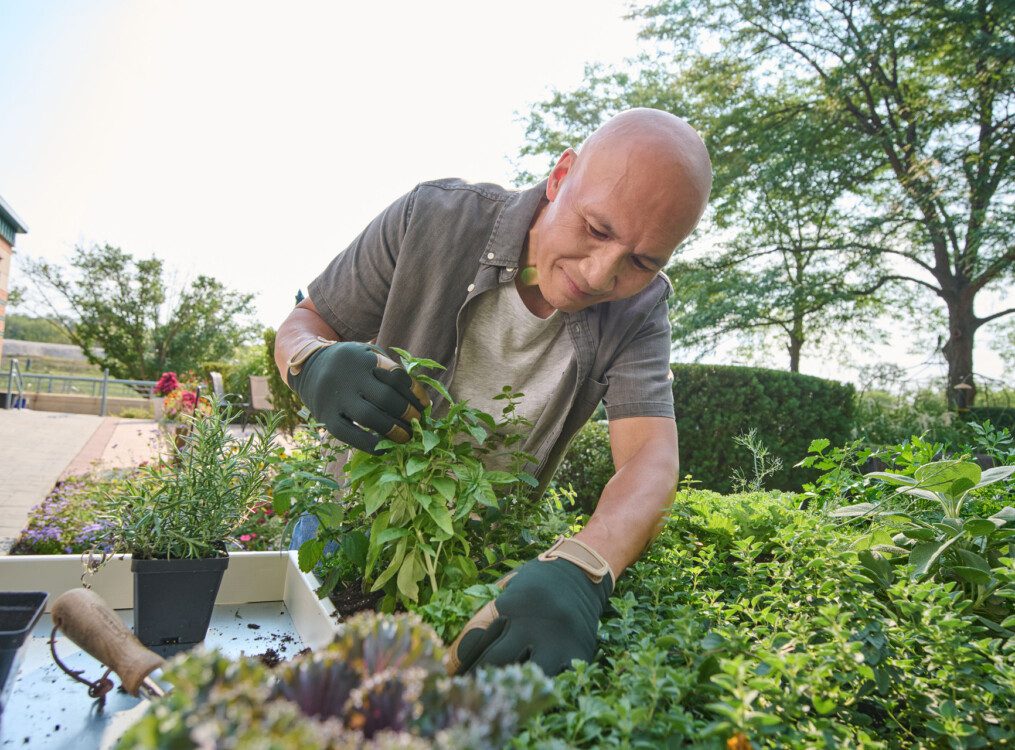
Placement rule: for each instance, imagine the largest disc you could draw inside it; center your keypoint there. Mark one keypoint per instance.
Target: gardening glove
(358, 393)
(548, 613)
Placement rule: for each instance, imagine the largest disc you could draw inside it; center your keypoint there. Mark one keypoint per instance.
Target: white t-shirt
(504, 343)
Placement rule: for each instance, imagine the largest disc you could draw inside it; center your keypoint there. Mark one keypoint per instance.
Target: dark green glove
(548, 614)
(359, 394)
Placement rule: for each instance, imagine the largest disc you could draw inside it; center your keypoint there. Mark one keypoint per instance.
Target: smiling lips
(575, 290)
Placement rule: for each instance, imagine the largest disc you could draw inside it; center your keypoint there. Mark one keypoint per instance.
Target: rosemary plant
(189, 504)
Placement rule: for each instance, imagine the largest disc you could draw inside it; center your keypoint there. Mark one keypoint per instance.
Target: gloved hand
(548, 613)
(359, 394)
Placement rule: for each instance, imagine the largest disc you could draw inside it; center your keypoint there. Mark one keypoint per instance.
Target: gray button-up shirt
(406, 280)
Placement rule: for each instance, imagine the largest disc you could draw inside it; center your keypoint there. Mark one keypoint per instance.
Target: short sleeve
(352, 292)
(640, 380)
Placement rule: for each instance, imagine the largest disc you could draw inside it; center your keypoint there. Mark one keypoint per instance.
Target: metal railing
(79, 385)
(14, 377)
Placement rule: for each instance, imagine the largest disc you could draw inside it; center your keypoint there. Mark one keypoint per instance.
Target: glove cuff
(583, 556)
(301, 355)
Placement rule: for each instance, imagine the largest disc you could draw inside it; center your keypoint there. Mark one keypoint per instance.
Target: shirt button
(489, 256)
(511, 270)
(471, 287)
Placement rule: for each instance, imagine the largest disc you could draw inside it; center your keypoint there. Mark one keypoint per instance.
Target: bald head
(657, 157)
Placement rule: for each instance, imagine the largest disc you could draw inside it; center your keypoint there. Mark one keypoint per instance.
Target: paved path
(35, 447)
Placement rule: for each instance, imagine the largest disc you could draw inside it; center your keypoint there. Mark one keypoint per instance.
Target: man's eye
(639, 264)
(596, 233)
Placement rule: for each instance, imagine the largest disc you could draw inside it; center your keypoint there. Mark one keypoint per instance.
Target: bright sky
(251, 141)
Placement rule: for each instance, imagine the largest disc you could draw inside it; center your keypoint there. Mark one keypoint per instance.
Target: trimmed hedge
(715, 403)
(588, 465)
(999, 416)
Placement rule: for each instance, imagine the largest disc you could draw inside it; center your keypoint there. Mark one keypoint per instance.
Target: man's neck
(527, 282)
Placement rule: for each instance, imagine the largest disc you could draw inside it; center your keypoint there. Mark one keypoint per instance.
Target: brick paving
(35, 447)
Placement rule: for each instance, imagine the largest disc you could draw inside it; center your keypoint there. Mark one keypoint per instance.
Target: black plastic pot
(19, 611)
(173, 601)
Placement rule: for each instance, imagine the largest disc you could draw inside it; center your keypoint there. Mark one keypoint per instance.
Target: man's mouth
(575, 291)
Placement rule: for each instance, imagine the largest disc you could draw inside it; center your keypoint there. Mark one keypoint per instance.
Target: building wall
(5, 273)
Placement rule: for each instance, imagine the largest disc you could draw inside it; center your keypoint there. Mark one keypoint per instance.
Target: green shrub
(884, 419)
(715, 404)
(587, 465)
(999, 416)
(282, 396)
(747, 621)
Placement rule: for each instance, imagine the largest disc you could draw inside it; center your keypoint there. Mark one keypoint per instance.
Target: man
(557, 291)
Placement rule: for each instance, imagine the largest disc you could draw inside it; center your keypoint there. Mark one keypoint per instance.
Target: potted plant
(176, 519)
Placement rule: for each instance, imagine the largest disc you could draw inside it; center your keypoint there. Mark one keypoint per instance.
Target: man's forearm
(632, 508)
(304, 324)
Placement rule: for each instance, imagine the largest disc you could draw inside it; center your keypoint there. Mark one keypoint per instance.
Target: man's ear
(560, 170)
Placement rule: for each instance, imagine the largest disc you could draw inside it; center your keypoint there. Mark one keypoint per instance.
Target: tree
(925, 88)
(923, 93)
(27, 328)
(119, 305)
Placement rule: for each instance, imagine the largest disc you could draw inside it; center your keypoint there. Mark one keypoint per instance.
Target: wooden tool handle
(87, 620)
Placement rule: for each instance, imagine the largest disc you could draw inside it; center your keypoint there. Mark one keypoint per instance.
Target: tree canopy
(870, 142)
(111, 301)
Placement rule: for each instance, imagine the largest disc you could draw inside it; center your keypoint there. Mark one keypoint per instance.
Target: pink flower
(167, 384)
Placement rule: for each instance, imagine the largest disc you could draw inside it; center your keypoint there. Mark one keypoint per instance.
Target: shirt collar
(512, 226)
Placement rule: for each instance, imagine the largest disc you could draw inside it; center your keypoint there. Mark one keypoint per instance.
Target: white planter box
(263, 596)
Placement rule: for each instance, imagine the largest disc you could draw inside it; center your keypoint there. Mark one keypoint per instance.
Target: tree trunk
(958, 350)
(796, 343)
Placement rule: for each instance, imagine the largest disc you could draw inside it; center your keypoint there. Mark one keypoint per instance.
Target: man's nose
(601, 269)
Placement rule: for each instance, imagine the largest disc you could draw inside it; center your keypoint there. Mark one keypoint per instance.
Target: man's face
(606, 232)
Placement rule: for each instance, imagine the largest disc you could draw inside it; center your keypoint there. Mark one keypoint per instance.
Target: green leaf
(960, 485)
(973, 575)
(979, 527)
(851, 511)
(890, 549)
(375, 496)
(479, 434)
(818, 445)
(917, 492)
(1005, 515)
(973, 560)
(528, 479)
(920, 533)
(415, 465)
(499, 477)
(925, 554)
(392, 568)
(442, 518)
(940, 476)
(430, 441)
(893, 479)
(876, 566)
(310, 554)
(435, 384)
(354, 547)
(407, 578)
(281, 502)
(390, 534)
(823, 706)
(364, 469)
(445, 486)
(996, 474)
(331, 515)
